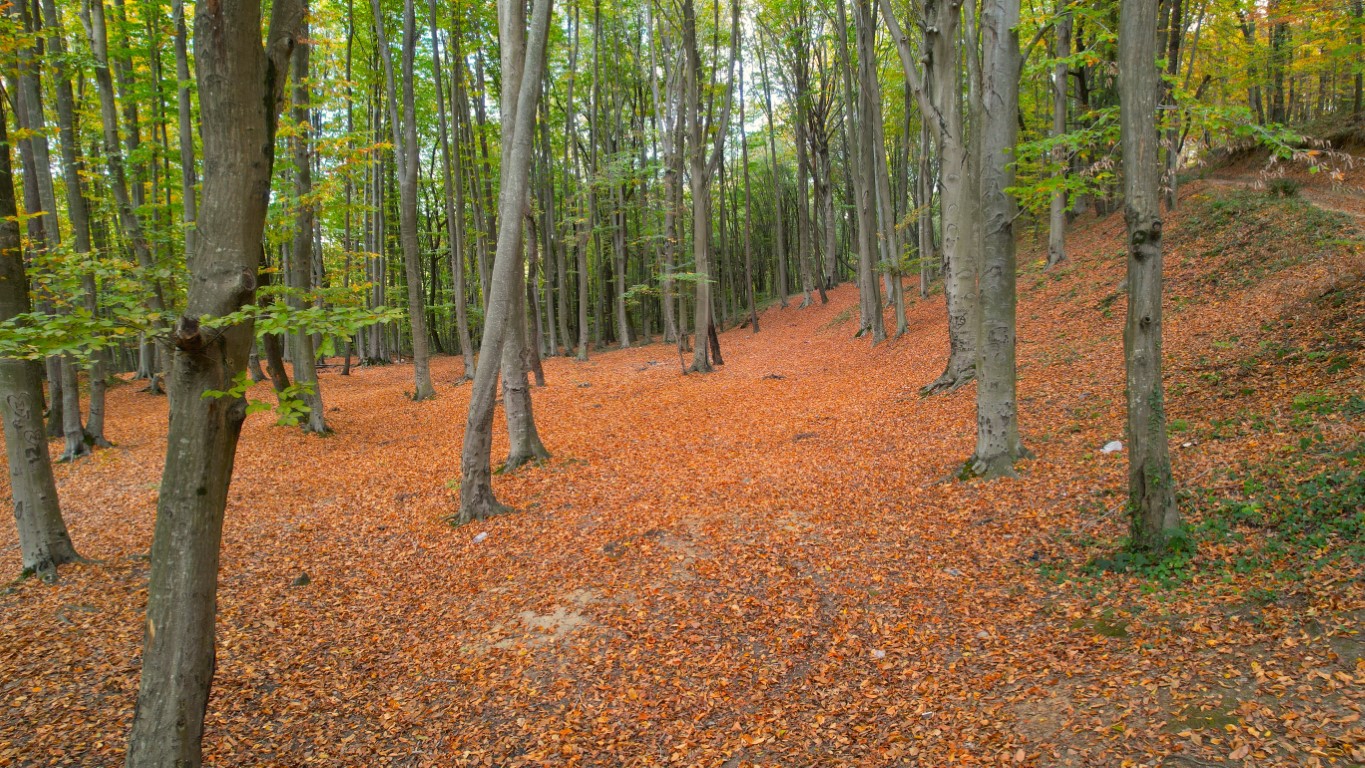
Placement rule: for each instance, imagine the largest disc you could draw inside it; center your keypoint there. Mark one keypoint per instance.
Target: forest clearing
(770, 565)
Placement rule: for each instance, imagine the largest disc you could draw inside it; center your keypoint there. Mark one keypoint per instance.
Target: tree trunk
(779, 233)
(301, 255)
(998, 444)
(1056, 222)
(114, 158)
(241, 89)
(748, 209)
(451, 178)
(1151, 495)
(43, 541)
(476, 491)
(940, 98)
(404, 128)
(860, 137)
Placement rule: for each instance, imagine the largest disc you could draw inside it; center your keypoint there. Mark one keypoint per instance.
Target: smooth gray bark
(779, 228)
(998, 444)
(44, 543)
(702, 171)
(301, 255)
(940, 100)
(1151, 493)
(1056, 222)
(241, 87)
(125, 202)
(476, 491)
(452, 182)
(404, 129)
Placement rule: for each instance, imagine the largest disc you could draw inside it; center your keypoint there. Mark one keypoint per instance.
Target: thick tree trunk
(1151, 494)
(998, 444)
(43, 541)
(523, 439)
(940, 98)
(241, 88)
(476, 491)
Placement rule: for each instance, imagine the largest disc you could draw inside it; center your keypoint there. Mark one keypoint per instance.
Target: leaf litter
(746, 568)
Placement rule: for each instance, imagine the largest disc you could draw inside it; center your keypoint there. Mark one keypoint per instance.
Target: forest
(683, 382)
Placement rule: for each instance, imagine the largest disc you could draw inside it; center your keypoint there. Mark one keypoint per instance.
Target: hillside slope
(770, 565)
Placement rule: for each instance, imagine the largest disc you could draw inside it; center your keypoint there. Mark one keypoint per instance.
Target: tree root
(949, 382)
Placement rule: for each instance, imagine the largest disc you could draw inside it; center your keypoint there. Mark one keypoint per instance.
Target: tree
(404, 127)
(998, 444)
(301, 254)
(453, 182)
(1056, 229)
(940, 101)
(241, 87)
(476, 490)
(44, 543)
(1151, 495)
(703, 168)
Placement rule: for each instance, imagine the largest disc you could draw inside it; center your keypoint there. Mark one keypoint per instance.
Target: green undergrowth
(1267, 526)
(1250, 235)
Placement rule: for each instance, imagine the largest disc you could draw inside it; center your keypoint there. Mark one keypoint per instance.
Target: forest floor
(773, 564)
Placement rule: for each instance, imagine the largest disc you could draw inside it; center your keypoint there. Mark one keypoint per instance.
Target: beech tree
(44, 543)
(1151, 494)
(476, 491)
(241, 92)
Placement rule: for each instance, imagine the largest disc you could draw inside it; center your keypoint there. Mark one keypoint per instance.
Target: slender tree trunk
(779, 232)
(301, 255)
(241, 90)
(748, 209)
(451, 173)
(44, 543)
(1056, 230)
(404, 127)
(1151, 494)
(476, 491)
(78, 438)
(860, 137)
(118, 181)
(702, 171)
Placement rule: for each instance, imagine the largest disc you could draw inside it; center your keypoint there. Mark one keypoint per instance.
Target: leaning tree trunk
(1151, 495)
(998, 444)
(301, 255)
(241, 87)
(43, 541)
(476, 490)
